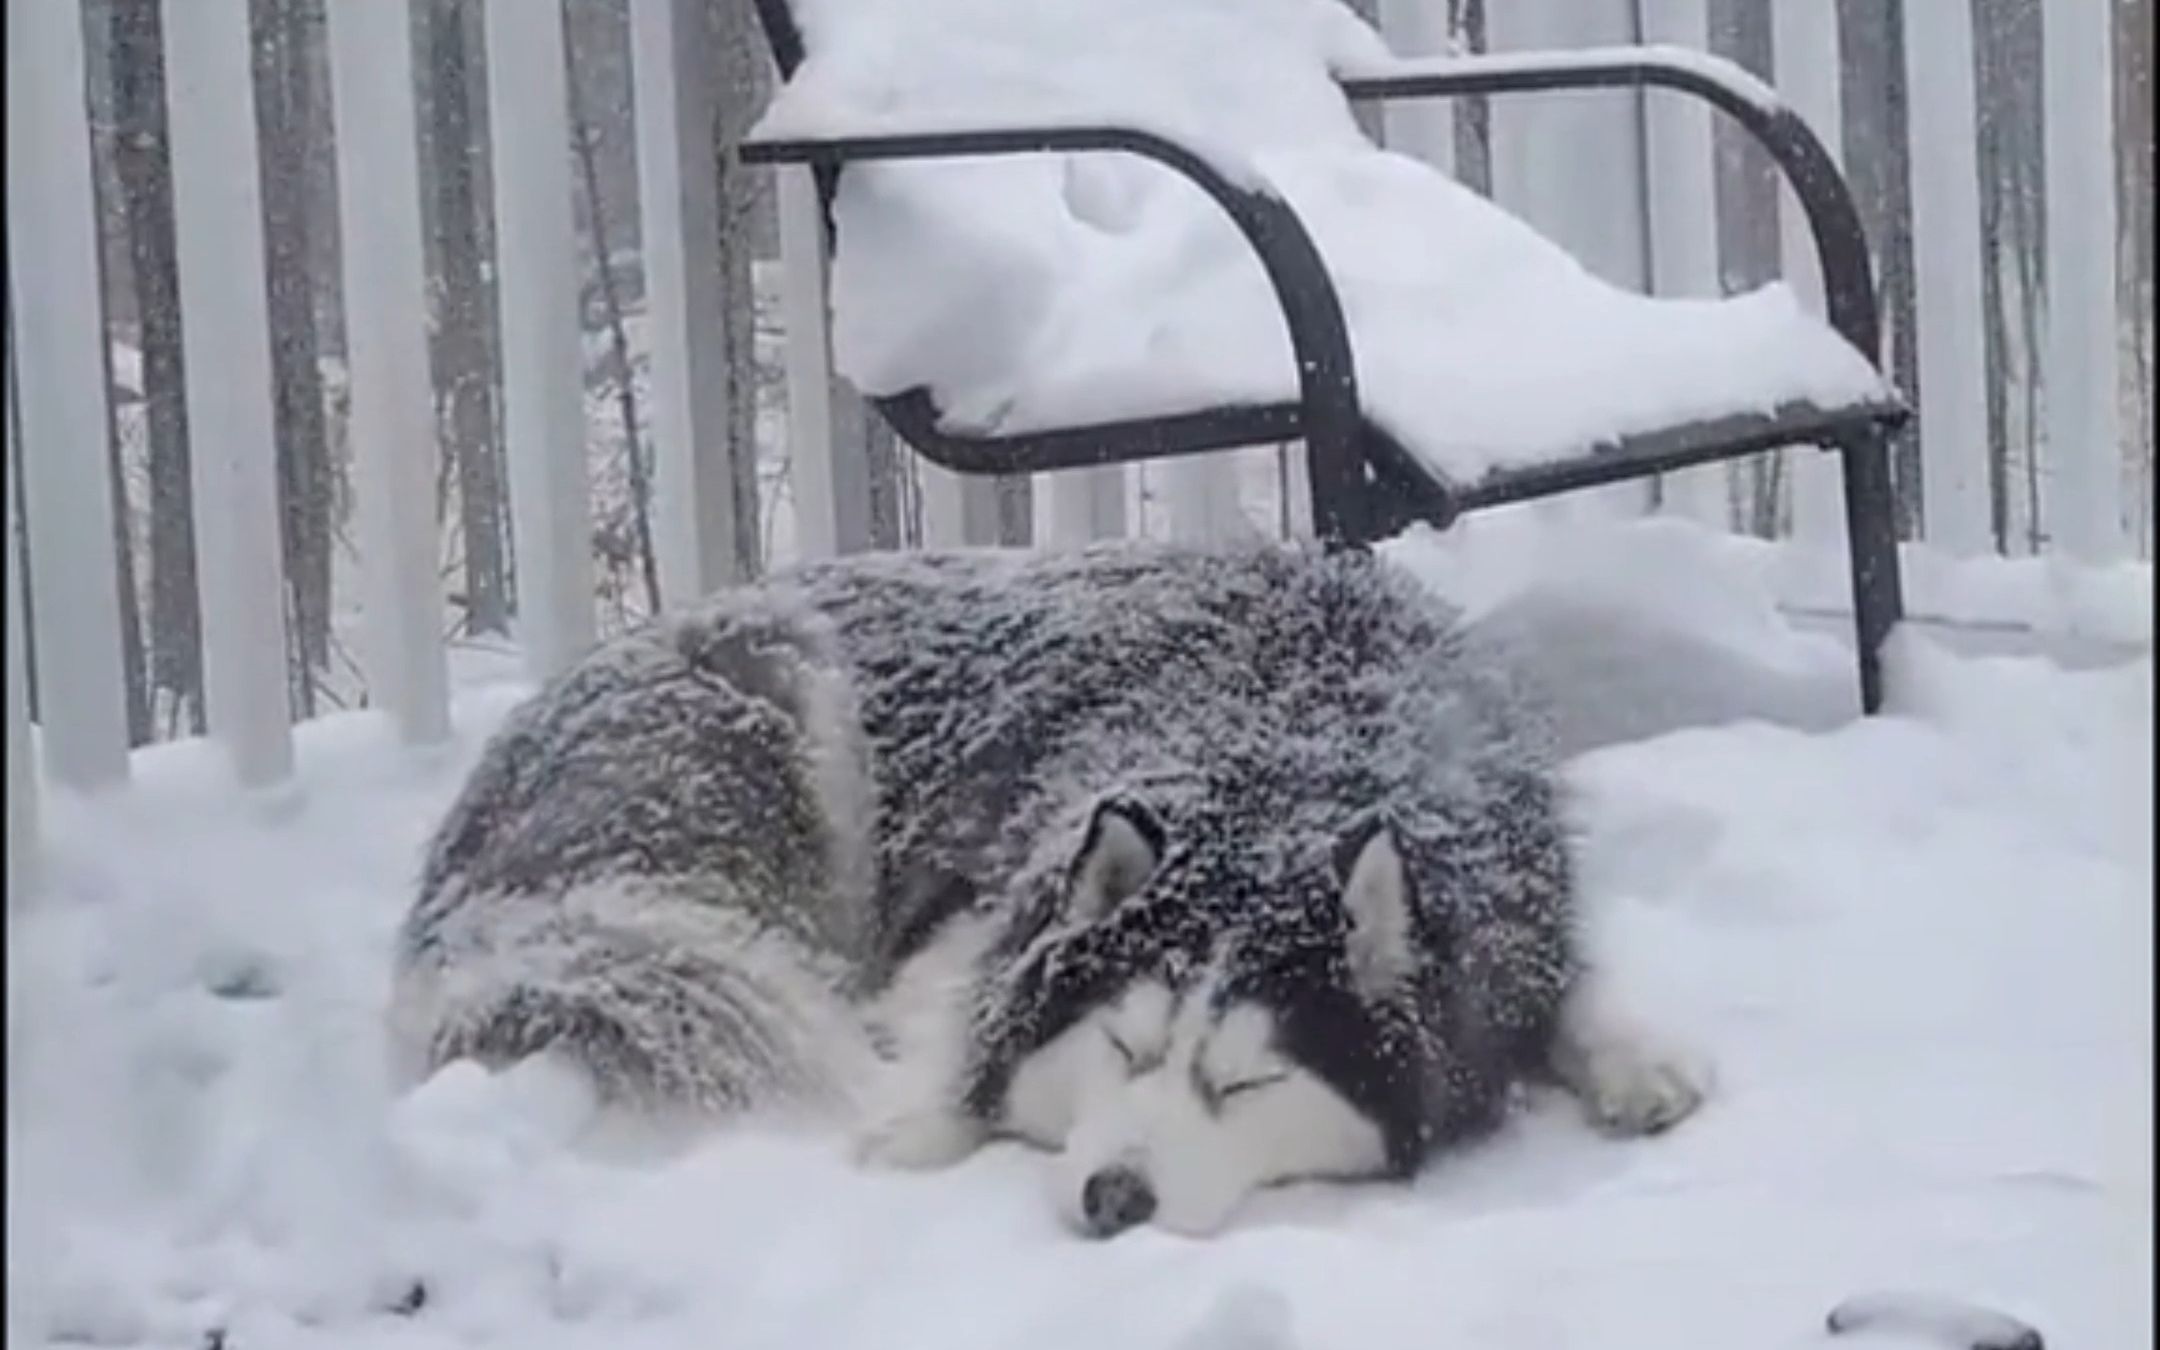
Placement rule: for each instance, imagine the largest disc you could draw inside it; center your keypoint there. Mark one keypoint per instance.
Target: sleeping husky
(1205, 870)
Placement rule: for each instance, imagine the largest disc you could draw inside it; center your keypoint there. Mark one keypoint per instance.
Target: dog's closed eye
(1216, 1096)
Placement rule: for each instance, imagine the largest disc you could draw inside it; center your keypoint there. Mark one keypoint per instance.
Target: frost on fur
(664, 1000)
(1629, 1079)
(952, 804)
(658, 866)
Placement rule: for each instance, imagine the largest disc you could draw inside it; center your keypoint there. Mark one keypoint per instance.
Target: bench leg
(1871, 535)
(1341, 498)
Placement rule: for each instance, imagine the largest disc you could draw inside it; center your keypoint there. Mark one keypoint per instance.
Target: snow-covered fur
(1268, 810)
(662, 866)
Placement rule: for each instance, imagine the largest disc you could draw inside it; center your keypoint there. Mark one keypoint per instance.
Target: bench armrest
(1330, 419)
(1833, 218)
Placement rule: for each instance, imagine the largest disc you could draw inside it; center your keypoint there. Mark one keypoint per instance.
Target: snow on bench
(1066, 289)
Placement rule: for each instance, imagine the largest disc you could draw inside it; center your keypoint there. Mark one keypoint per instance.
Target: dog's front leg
(1630, 1080)
(921, 1139)
(918, 1118)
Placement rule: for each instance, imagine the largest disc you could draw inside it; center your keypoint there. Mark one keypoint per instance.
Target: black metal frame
(1364, 484)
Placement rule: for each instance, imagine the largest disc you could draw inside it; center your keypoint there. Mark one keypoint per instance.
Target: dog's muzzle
(1114, 1199)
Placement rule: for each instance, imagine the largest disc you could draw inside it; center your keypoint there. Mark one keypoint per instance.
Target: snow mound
(1056, 290)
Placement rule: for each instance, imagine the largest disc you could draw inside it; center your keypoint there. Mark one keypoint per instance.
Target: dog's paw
(918, 1141)
(1632, 1089)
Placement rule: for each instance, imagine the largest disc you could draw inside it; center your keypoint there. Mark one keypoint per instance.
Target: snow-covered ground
(1919, 949)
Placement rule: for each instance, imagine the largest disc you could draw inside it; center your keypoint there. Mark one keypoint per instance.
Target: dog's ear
(1119, 853)
(1376, 907)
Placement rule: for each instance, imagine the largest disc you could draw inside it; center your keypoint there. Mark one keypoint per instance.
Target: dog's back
(1001, 691)
(659, 866)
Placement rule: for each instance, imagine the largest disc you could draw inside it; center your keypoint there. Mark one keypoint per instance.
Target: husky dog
(1208, 870)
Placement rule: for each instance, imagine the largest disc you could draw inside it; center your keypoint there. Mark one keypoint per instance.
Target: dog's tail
(666, 1001)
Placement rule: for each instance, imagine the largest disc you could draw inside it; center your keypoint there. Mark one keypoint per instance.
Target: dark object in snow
(1365, 484)
(214, 1339)
(1951, 1321)
(243, 977)
(412, 1301)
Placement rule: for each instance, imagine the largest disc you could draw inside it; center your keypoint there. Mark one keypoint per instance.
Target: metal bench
(1364, 484)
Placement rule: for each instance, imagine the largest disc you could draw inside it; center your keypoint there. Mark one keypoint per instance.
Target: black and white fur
(1209, 870)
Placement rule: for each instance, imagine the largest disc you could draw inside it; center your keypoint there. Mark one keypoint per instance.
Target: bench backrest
(781, 34)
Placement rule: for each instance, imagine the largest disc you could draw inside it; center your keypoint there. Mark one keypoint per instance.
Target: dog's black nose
(1115, 1199)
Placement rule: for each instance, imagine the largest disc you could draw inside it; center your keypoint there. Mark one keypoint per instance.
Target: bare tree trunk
(2028, 233)
(114, 301)
(143, 164)
(1995, 305)
(463, 379)
(141, 730)
(1368, 115)
(15, 532)
(911, 501)
(2134, 222)
(1015, 511)
(1473, 116)
(1993, 82)
(1748, 245)
(306, 492)
(743, 198)
(1878, 160)
(882, 448)
(586, 134)
(2007, 36)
